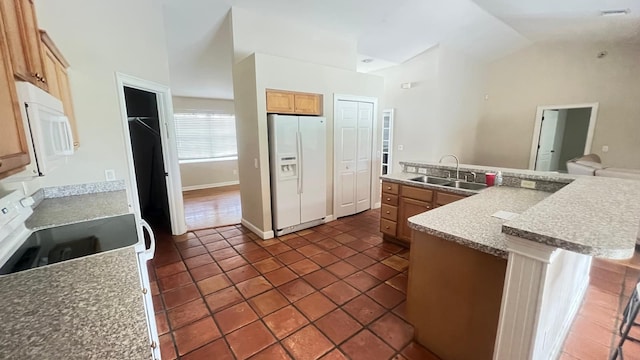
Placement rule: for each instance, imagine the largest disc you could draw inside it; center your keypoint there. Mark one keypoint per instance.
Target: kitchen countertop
(86, 308)
(469, 221)
(595, 216)
(72, 209)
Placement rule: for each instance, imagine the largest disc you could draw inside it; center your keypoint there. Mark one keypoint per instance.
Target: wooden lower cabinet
(407, 208)
(400, 202)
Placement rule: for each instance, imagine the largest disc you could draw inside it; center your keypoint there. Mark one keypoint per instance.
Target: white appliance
(47, 129)
(22, 248)
(298, 162)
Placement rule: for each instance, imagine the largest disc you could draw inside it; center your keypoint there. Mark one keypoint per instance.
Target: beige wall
(438, 114)
(99, 38)
(252, 77)
(198, 175)
(255, 32)
(557, 74)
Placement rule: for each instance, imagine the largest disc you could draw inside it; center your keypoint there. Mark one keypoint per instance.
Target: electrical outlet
(110, 174)
(605, 148)
(411, 169)
(235, 171)
(528, 184)
(255, 163)
(400, 147)
(422, 171)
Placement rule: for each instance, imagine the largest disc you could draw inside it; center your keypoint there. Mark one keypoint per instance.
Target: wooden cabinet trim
(46, 40)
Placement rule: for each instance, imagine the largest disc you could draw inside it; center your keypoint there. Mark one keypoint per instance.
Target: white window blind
(202, 136)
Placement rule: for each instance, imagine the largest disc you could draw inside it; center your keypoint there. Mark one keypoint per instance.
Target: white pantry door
(354, 133)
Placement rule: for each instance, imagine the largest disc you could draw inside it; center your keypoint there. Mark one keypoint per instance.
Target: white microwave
(47, 129)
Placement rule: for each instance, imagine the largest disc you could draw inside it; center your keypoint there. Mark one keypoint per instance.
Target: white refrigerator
(298, 164)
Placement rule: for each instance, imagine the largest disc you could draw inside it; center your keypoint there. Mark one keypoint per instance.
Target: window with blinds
(203, 136)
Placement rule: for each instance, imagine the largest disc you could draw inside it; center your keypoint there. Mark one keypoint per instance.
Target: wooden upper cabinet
(309, 104)
(14, 153)
(289, 102)
(23, 41)
(56, 73)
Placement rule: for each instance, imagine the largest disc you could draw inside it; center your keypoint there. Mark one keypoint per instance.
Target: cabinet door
(406, 209)
(13, 24)
(51, 73)
(67, 102)
(280, 102)
(14, 153)
(308, 104)
(32, 43)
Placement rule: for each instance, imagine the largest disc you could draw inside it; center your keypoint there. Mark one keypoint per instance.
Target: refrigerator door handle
(300, 161)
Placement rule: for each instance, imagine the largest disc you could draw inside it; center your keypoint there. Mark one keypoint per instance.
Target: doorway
(561, 134)
(147, 115)
(354, 127)
(148, 160)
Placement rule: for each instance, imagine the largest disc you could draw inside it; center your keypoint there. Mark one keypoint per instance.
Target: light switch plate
(605, 148)
(527, 184)
(400, 147)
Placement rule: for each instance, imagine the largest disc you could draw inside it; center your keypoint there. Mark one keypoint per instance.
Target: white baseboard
(568, 321)
(377, 205)
(328, 218)
(262, 234)
(209, 186)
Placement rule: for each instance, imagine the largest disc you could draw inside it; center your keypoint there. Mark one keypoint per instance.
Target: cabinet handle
(388, 212)
(154, 345)
(387, 227)
(388, 187)
(144, 291)
(388, 199)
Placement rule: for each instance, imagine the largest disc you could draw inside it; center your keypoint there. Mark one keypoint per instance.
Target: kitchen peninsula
(510, 283)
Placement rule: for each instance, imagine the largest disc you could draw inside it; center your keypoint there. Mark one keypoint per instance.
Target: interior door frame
(538, 127)
(375, 158)
(169, 148)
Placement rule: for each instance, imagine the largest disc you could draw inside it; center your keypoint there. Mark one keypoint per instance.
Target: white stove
(15, 209)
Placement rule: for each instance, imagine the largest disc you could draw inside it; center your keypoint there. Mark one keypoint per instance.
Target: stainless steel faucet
(457, 164)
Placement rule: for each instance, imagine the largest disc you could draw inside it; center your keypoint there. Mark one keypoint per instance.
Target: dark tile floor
(332, 292)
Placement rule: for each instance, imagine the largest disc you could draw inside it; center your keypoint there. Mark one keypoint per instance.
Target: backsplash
(548, 182)
(82, 189)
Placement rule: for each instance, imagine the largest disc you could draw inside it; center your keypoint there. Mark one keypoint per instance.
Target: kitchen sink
(465, 185)
(431, 180)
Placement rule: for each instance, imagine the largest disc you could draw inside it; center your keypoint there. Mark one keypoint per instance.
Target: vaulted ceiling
(390, 32)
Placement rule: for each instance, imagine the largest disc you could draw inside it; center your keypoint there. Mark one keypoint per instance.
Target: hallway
(212, 207)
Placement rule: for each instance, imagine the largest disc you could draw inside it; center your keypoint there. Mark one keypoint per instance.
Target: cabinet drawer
(388, 227)
(390, 188)
(389, 212)
(390, 199)
(417, 193)
(446, 198)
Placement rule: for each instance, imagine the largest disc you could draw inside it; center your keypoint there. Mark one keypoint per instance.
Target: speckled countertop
(72, 209)
(403, 178)
(598, 216)
(593, 215)
(469, 221)
(86, 308)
